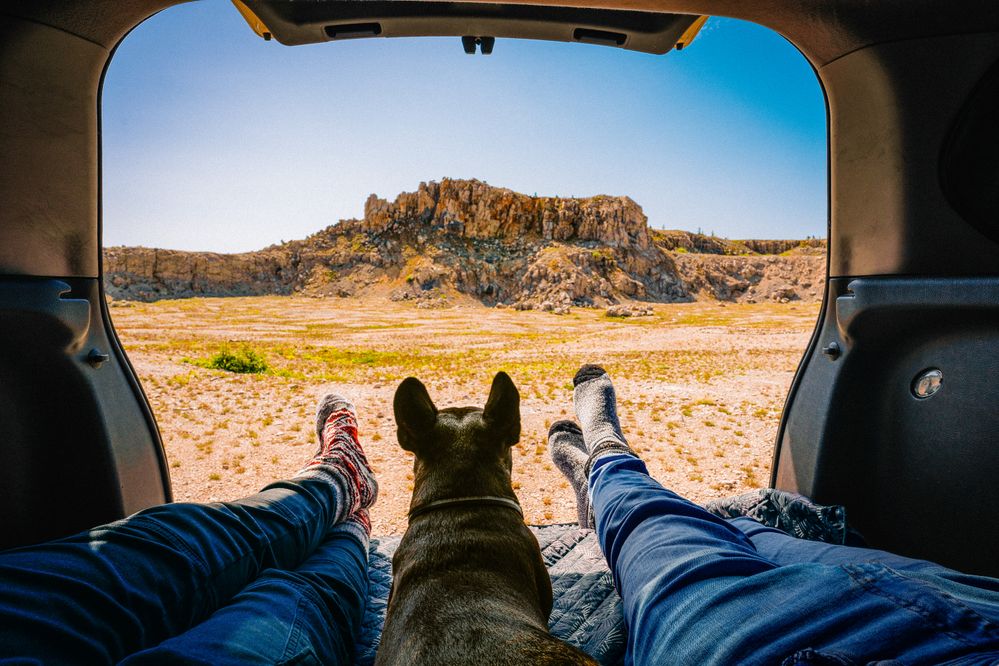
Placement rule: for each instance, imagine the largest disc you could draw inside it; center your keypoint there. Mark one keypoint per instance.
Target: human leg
(782, 548)
(696, 590)
(308, 615)
(100, 595)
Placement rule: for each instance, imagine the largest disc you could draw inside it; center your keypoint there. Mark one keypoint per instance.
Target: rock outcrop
(148, 273)
(464, 237)
(473, 209)
(685, 241)
(753, 278)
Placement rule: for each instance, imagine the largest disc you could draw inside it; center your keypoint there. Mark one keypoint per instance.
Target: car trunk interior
(913, 274)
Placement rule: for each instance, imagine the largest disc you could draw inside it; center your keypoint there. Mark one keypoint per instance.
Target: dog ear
(503, 407)
(415, 413)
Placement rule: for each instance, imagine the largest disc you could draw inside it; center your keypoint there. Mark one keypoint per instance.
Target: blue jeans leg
(103, 594)
(307, 616)
(782, 548)
(696, 590)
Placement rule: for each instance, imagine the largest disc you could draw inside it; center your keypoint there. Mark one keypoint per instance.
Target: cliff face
(472, 209)
(754, 278)
(492, 244)
(146, 273)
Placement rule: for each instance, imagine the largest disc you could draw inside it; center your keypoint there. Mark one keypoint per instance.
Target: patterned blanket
(587, 609)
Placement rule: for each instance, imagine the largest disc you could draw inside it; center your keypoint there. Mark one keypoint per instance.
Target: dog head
(459, 450)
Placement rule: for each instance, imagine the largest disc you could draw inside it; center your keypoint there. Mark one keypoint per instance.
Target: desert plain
(700, 386)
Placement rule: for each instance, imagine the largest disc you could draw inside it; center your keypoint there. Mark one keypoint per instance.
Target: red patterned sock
(357, 525)
(340, 458)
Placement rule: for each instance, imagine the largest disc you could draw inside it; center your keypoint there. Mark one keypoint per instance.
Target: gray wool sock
(596, 409)
(565, 443)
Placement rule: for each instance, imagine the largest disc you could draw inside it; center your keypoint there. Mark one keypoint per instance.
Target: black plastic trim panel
(917, 475)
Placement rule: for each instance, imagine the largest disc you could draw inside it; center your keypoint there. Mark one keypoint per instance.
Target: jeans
(698, 589)
(260, 580)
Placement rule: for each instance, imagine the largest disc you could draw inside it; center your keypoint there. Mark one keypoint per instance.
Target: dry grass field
(700, 386)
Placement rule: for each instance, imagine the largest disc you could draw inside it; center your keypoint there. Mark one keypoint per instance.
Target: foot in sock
(565, 442)
(596, 408)
(340, 459)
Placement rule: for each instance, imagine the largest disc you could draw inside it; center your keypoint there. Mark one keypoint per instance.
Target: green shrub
(244, 361)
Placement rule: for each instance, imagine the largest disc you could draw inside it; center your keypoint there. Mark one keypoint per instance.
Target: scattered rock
(629, 310)
(784, 294)
(727, 483)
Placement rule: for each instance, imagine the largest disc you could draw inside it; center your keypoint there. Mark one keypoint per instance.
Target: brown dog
(469, 585)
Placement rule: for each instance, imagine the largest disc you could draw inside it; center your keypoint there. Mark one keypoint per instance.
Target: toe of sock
(568, 451)
(328, 404)
(586, 373)
(331, 402)
(564, 426)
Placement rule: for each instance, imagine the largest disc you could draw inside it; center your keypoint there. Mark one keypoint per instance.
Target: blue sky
(216, 140)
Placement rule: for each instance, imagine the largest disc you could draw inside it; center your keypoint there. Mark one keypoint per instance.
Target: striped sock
(357, 525)
(340, 459)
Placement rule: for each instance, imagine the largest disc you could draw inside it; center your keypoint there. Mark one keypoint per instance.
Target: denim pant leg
(979, 592)
(307, 616)
(696, 591)
(103, 594)
(782, 548)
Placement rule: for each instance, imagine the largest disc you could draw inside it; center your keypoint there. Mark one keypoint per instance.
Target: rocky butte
(459, 239)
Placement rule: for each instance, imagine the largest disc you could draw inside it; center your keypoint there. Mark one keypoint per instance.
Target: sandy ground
(700, 386)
